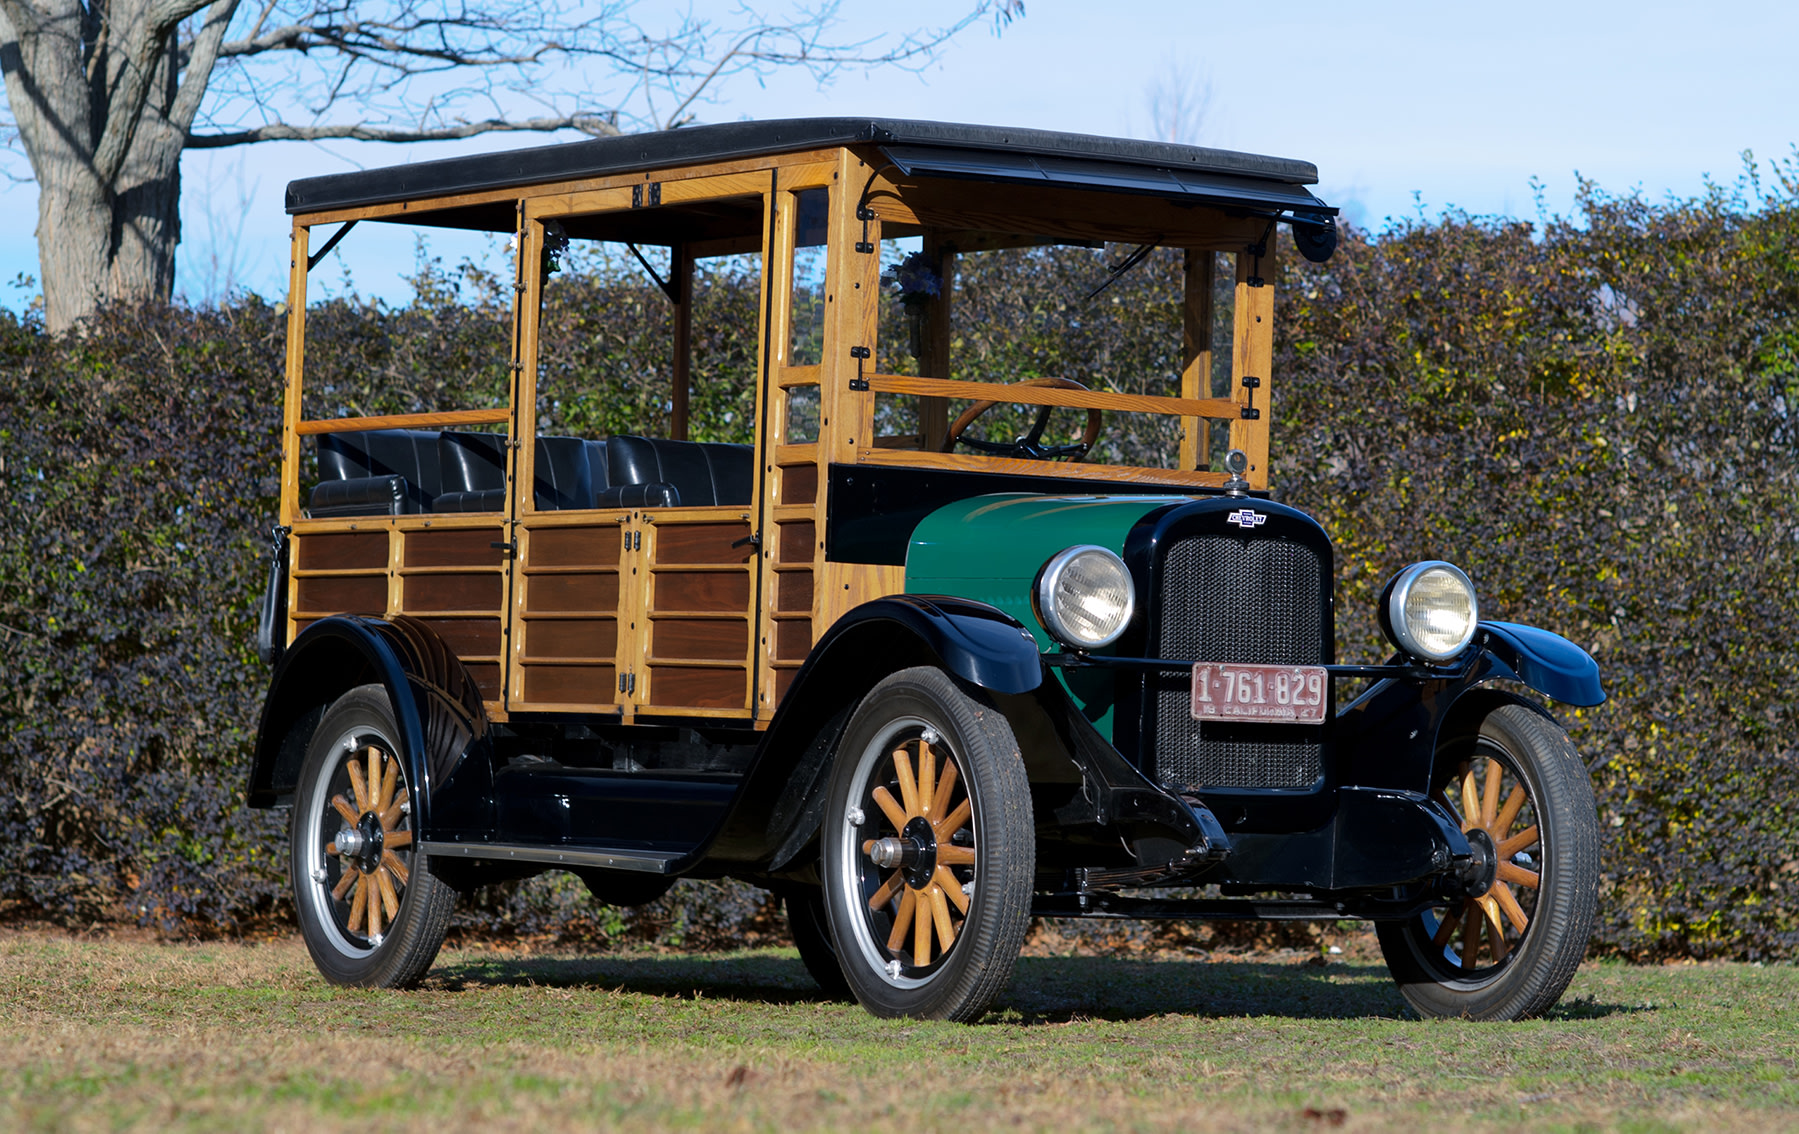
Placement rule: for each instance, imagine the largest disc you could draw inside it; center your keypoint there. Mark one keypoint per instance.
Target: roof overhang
(931, 148)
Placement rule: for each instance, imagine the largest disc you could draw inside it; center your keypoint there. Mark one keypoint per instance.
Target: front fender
(1388, 737)
(1548, 663)
(776, 810)
(436, 704)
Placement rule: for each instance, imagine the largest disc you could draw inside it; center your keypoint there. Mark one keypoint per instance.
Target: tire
(354, 780)
(811, 930)
(895, 928)
(1509, 953)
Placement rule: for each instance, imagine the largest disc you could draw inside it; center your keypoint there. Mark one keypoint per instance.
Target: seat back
(563, 478)
(474, 471)
(699, 473)
(378, 455)
(596, 469)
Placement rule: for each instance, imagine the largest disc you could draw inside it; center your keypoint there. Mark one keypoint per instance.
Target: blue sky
(1401, 105)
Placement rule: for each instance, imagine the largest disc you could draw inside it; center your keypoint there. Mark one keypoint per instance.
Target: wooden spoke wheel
(1030, 446)
(370, 910)
(1485, 929)
(929, 850)
(1508, 948)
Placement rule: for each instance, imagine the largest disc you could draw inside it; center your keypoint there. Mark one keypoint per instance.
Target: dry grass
(126, 1034)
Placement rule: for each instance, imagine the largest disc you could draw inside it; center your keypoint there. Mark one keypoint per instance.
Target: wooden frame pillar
(289, 504)
(681, 267)
(1252, 356)
(934, 354)
(1196, 355)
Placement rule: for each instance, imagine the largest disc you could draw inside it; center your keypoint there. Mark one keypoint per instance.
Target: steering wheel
(1030, 446)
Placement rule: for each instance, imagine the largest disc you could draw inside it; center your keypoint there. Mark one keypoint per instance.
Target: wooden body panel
(443, 570)
(709, 612)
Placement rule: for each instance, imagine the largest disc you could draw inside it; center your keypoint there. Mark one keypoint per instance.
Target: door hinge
(627, 683)
(638, 195)
(1249, 411)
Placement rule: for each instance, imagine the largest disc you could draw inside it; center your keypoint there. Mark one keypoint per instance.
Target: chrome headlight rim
(1393, 603)
(1044, 604)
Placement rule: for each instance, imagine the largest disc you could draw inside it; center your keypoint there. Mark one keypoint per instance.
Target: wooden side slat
(1221, 408)
(1118, 474)
(449, 418)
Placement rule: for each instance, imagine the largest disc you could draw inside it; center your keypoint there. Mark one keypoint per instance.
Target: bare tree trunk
(104, 119)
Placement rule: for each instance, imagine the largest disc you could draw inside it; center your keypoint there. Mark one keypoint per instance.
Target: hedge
(1593, 415)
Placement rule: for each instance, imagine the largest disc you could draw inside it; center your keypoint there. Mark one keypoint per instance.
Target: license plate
(1282, 694)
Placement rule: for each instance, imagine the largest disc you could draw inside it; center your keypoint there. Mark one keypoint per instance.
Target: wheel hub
(1483, 864)
(913, 853)
(362, 844)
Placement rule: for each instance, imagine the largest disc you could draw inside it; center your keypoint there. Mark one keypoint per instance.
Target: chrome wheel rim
(908, 797)
(357, 856)
(1474, 939)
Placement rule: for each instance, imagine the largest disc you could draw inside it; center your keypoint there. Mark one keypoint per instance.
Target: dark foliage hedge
(1596, 417)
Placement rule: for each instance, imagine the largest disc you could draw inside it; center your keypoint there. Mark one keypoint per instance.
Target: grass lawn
(109, 1034)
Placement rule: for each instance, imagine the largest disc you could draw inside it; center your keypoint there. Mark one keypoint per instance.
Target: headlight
(1085, 597)
(1428, 610)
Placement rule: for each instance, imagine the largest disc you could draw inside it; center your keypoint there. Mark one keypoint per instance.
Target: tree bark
(103, 117)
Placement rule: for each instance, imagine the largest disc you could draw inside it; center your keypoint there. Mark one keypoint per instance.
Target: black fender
(1548, 663)
(436, 702)
(776, 812)
(1389, 736)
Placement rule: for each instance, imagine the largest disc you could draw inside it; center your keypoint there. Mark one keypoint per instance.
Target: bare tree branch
(126, 108)
(590, 124)
(201, 56)
(105, 94)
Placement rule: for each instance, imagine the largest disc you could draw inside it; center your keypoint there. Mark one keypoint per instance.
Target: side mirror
(1316, 235)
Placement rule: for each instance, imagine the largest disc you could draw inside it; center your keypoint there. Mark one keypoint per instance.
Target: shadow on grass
(1044, 990)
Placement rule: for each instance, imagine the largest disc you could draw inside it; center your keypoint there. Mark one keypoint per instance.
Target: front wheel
(928, 850)
(371, 912)
(1507, 953)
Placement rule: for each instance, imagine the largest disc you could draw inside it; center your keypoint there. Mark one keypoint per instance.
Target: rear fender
(776, 813)
(435, 701)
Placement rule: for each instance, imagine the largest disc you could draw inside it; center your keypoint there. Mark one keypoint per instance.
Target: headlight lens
(1428, 610)
(1085, 597)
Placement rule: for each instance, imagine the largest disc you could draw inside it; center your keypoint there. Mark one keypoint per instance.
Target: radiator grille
(1236, 599)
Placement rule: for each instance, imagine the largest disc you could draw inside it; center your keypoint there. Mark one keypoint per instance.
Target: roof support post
(1252, 356)
(934, 344)
(1196, 355)
(682, 270)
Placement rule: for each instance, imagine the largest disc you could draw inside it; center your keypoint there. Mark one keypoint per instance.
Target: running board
(646, 862)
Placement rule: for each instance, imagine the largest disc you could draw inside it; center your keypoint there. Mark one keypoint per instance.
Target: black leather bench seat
(650, 472)
(395, 472)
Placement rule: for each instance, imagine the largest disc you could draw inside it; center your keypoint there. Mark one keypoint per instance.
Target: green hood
(990, 549)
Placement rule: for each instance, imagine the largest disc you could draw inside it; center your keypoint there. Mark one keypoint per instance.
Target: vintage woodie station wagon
(932, 656)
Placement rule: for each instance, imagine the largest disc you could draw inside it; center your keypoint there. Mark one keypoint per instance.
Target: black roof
(939, 148)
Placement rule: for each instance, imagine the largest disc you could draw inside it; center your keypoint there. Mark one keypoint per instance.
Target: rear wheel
(371, 911)
(1524, 799)
(929, 850)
